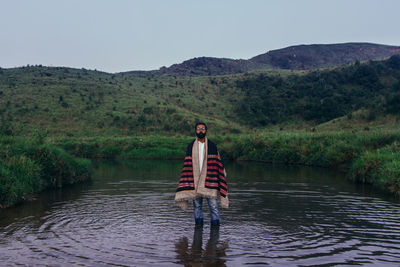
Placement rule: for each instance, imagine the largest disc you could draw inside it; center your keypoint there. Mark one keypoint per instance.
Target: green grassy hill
(79, 102)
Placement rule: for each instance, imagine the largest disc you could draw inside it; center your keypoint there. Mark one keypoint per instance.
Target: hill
(300, 57)
(307, 57)
(320, 95)
(80, 102)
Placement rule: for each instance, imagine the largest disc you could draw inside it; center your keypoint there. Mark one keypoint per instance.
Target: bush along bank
(143, 147)
(28, 167)
(371, 157)
(368, 157)
(380, 167)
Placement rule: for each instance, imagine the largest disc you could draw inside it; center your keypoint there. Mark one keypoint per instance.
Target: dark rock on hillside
(305, 57)
(208, 66)
(301, 57)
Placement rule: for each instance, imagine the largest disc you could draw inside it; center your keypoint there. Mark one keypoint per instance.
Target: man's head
(201, 130)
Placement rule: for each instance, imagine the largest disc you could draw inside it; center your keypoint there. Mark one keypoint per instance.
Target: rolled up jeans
(198, 210)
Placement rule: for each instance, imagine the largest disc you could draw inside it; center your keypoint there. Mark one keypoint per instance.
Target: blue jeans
(198, 211)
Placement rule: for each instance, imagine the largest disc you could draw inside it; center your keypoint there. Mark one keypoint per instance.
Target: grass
(380, 167)
(136, 147)
(74, 103)
(367, 157)
(20, 176)
(29, 166)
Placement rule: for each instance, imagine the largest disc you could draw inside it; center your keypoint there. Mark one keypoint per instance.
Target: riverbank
(366, 157)
(371, 157)
(136, 147)
(28, 166)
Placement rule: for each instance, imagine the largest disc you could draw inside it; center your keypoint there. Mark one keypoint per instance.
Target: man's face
(201, 131)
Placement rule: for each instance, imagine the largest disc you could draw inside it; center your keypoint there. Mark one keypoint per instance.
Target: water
(279, 215)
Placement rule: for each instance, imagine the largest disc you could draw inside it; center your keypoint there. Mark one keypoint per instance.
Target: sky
(125, 35)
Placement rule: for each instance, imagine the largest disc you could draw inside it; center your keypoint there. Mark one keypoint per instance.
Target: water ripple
(133, 222)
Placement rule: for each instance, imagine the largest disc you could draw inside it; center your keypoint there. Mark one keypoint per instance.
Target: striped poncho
(209, 182)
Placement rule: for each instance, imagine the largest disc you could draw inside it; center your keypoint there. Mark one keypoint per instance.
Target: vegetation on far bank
(369, 156)
(28, 166)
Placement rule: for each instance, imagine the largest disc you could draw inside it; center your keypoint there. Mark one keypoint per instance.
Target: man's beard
(201, 135)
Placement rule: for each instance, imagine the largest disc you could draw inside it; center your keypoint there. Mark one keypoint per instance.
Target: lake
(279, 215)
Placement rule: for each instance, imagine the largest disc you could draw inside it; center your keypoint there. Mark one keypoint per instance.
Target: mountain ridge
(298, 57)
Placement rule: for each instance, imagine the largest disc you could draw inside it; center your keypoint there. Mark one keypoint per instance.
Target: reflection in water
(212, 255)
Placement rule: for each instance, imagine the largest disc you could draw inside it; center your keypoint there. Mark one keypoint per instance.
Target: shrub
(19, 176)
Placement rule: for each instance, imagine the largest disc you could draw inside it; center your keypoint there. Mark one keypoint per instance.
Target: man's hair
(200, 123)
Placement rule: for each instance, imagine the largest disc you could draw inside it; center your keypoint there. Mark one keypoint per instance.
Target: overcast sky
(118, 35)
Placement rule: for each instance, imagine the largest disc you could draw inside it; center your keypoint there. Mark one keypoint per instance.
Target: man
(203, 176)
